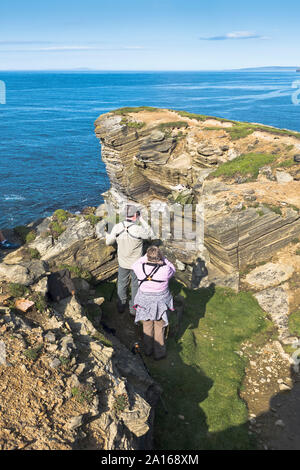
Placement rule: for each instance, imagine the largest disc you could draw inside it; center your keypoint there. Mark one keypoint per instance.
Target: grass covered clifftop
(237, 130)
(204, 370)
(190, 146)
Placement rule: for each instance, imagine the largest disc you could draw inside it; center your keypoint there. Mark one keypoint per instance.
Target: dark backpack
(60, 285)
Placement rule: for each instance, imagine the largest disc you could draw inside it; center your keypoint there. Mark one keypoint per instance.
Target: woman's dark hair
(154, 255)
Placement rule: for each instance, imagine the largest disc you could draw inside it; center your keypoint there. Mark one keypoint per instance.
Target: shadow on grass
(203, 372)
(279, 428)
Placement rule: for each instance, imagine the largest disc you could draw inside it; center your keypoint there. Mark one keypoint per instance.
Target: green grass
(125, 110)
(60, 215)
(76, 271)
(64, 361)
(200, 117)
(99, 336)
(203, 372)
(17, 290)
(83, 393)
(40, 302)
(133, 124)
(56, 229)
(241, 130)
(183, 199)
(273, 208)
(284, 132)
(92, 218)
(32, 354)
(289, 148)
(294, 323)
(294, 208)
(34, 253)
(26, 234)
(212, 128)
(56, 226)
(120, 403)
(245, 165)
(286, 164)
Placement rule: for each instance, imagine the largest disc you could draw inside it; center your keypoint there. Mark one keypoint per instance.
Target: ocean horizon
(50, 157)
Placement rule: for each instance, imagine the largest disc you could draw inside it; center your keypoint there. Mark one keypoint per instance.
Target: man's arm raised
(146, 231)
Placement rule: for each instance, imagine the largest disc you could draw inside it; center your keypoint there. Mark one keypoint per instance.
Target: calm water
(50, 157)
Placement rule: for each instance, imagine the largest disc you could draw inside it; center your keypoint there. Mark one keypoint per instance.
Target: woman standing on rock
(153, 299)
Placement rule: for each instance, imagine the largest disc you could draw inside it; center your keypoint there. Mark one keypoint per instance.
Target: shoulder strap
(149, 277)
(122, 231)
(126, 229)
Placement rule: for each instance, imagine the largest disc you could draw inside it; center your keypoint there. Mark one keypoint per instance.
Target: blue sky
(148, 34)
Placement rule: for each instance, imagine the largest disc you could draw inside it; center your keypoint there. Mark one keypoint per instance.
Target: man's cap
(131, 210)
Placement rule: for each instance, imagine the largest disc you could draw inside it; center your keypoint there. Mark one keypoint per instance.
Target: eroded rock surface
(173, 155)
(67, 391)
(269, 275)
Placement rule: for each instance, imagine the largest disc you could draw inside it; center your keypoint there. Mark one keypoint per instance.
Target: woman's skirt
(153, 306)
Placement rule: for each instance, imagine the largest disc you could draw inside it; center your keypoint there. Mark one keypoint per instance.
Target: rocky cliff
(78, 385)
(67, 382)
(246, 176)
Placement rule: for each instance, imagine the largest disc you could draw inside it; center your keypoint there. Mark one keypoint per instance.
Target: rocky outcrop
(74, 390)
(77, 246)
(269, 275)
(77, 387)
(246, 238)
(25, 273)
(172, 156)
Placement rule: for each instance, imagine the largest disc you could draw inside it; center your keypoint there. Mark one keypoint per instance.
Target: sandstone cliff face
(178, 157)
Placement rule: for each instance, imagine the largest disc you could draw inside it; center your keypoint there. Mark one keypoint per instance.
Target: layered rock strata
(172, 156)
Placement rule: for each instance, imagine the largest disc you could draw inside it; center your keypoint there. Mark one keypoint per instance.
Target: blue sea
(50, 157)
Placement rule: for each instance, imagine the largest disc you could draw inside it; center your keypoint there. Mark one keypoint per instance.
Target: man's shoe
(6, 245)
(160, 358)
(121, 307)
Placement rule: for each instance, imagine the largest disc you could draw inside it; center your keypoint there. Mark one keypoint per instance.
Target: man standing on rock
(129, 236)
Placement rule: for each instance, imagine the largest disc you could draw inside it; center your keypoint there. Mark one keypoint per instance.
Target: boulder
(214, 187)
(26, 273)
(101, 211)
(269, 275)
(157, 136)
(275, 302)
(233, 154)
(90, 255)
(77, 230)
(283, 177)
(43, 244)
